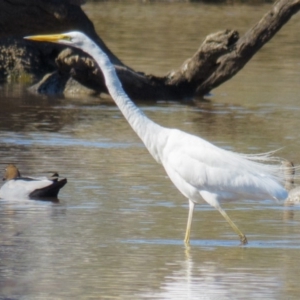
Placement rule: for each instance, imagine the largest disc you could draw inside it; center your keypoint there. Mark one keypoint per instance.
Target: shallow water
(117, 231)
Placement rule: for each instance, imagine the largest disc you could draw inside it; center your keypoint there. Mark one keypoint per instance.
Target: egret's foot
(244, 240)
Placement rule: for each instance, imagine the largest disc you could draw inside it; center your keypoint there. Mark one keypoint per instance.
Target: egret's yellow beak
(54, 38)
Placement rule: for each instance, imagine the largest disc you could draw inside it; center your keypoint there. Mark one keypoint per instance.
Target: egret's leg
(189, 222)
(234, 227)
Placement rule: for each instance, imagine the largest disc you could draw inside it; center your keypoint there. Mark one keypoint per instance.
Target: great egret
(18, 187)
(200, 170)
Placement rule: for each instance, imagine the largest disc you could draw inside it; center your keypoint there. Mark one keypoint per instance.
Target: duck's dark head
(11, 172)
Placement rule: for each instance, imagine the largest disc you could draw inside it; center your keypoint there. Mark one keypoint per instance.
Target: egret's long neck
(146, 129)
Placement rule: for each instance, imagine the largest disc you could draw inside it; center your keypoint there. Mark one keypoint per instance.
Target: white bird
(200, 170)
(17, 187)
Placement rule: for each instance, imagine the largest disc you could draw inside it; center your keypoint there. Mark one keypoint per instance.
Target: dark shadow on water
(33, 201)
(46, 199)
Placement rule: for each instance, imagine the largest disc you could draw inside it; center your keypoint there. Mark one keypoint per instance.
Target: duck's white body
(27, 188)
(17, 187)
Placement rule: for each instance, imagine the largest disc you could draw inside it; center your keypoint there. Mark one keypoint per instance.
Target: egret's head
(73, 38)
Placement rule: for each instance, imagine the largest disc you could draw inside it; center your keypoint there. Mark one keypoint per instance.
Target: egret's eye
(67, 38)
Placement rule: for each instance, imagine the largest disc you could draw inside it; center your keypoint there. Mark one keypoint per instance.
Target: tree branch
(244, 49)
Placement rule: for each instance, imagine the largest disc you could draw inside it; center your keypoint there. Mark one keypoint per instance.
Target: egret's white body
(18, 188)
(200, 170)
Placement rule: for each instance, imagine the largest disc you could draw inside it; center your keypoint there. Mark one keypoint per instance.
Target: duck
(34, 188)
